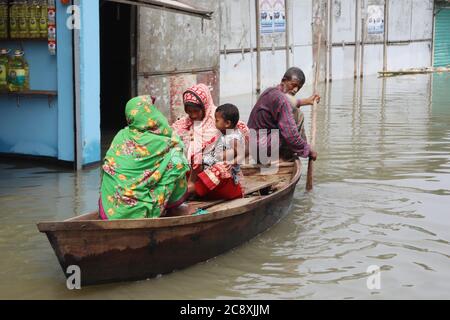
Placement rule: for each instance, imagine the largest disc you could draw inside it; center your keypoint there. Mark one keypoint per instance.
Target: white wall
(409, 21)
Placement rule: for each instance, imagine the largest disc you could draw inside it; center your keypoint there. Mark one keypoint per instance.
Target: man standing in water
(274, 110)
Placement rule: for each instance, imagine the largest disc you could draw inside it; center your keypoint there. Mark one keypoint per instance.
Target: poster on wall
(267, 22)
(279, 16)
(273, 16)
(375, 19)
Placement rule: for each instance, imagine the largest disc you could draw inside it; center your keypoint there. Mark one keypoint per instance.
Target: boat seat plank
(194, 206)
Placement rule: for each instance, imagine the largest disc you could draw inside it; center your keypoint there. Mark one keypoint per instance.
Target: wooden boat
(126, 250)
(413, 71)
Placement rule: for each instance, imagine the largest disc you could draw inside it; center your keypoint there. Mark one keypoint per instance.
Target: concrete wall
(176, 51)
(238, 70)
(409, 41)
(411, 20)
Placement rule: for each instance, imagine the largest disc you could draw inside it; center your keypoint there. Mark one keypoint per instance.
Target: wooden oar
(310, 175)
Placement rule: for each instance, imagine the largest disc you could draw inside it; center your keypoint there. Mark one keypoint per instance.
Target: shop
(36, 84)
(79, 74)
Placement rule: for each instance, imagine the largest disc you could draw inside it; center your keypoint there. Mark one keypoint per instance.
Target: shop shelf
(31, 93)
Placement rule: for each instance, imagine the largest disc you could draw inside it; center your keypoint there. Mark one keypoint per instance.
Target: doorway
(117, 71)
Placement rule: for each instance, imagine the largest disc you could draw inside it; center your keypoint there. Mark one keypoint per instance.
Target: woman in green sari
(144, 173)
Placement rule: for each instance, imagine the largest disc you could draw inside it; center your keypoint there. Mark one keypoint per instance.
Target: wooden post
(434, 35)
(310, 175)
(329, 68)
(386, 33)
(356, 54)
(288, 34)
(363, 33)
(258, 47)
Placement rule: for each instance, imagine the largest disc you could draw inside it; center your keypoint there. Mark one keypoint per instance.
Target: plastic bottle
(18, 73)
(43, 19)
(33, 7)
(3, 19)
(4, 64)
(23, 19)
(13, 20)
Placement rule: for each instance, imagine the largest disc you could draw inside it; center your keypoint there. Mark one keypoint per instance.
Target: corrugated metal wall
(442, 38)
(176, 51)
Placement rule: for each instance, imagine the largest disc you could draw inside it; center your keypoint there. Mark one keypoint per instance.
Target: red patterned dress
(201, 137)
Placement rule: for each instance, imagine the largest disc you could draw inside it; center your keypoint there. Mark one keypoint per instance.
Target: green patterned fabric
(145, 169)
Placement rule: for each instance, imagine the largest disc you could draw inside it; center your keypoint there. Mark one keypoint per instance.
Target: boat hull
(114, 255)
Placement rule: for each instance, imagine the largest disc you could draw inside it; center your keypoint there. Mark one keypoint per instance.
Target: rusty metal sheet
(169, 42)
(169, 89)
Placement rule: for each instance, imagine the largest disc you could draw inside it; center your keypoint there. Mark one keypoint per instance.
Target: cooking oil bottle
(4, 63)
(33, 25)
(23, 19)
(3, 19)
(18, 73)
(43, 18)
(13, 19)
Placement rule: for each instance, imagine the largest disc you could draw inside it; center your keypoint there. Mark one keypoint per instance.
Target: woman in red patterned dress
(200, 135)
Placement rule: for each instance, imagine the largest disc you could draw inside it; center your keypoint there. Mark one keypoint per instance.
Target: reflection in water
(382, 197)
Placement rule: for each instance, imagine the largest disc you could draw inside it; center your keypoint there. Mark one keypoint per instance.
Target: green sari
(144, 172)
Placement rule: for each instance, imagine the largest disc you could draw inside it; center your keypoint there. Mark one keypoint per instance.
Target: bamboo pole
(356, 54)
(258, 47)
(288, 34)
(310, 175)
(434, 35)
(330, 43)
(363, 34)
(386, 33)
(426, 70)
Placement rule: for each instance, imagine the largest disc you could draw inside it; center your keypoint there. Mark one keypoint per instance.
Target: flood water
(381, 198)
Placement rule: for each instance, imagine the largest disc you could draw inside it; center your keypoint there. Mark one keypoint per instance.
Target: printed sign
(273, 16)
(279, 16)
(375, 19)
(266, 7)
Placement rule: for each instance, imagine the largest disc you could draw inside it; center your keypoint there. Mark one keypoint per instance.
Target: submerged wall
(409, 40)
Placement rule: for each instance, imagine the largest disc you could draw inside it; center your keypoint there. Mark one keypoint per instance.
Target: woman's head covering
(143, 165)
(142, 116)
(197, 136)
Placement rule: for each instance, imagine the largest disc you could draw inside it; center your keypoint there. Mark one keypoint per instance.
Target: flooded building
(357, 38)
(108, 51)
